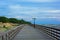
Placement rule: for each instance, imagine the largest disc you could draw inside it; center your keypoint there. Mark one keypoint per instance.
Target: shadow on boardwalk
(30, 33)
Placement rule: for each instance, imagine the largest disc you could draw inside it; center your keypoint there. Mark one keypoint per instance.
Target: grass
(3, 29)
(7, 26)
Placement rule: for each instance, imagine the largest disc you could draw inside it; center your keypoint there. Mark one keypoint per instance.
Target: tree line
(12, 20)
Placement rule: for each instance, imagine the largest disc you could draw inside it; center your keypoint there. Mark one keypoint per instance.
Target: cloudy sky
(45, 11)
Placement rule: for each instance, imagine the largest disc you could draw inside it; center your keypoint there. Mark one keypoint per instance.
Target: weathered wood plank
(30, 33)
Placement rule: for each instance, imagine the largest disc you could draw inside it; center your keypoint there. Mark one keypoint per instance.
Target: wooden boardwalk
(30, 33)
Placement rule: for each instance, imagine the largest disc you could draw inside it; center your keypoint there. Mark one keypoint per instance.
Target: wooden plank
(30, 33)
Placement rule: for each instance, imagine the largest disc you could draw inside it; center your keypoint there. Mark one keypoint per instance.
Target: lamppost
(34, 21)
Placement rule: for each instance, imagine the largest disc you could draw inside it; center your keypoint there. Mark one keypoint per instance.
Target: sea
(52, 25)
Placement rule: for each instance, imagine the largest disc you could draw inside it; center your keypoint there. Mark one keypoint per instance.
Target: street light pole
(34, 21)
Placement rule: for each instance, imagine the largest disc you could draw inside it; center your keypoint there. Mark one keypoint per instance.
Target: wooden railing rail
(52, 32)
(9, 35)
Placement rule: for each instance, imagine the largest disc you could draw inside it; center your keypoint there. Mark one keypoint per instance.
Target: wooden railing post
(9, 35)
(52, 32)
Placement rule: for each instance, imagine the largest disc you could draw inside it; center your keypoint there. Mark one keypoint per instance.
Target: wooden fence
(9, 35)
(52, 32)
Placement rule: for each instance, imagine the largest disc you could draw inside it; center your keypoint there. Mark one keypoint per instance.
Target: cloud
(27, 12)
(28, 9)
(53, 11)
(38, 0)
(13, 1)
(21, 9)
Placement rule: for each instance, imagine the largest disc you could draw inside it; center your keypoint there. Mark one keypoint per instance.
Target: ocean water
(52, 25)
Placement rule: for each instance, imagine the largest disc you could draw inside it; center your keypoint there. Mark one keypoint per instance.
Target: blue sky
(45, 11)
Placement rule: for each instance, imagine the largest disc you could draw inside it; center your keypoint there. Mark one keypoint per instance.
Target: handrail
(9, 35)
(53, 32)
(0, 36)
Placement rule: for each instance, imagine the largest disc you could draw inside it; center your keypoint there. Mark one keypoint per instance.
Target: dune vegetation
(9, 23)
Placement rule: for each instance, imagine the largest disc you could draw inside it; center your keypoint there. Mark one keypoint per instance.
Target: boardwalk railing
(9, 35)
(52, 32)
(1, 37)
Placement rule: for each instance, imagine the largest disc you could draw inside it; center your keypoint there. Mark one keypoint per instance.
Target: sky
(45, 11)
